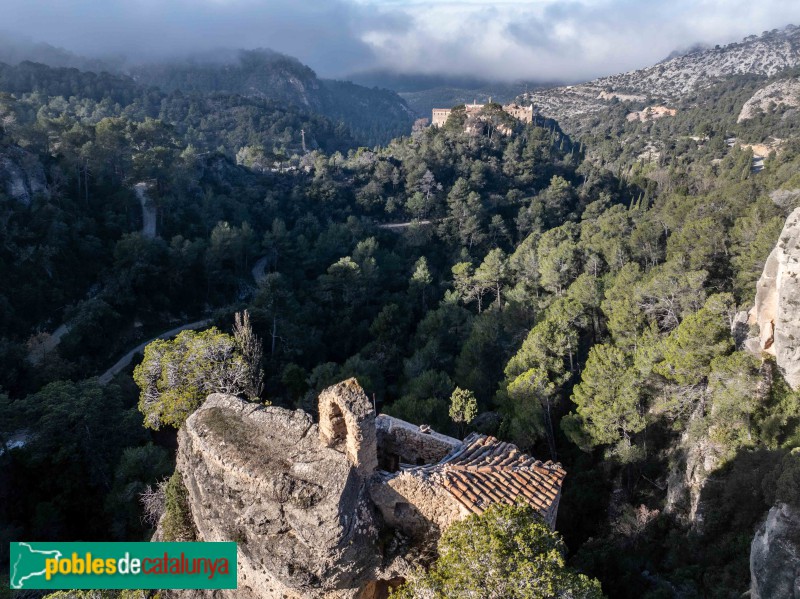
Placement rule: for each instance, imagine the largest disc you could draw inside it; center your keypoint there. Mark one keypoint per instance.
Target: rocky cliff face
(776, 311)
(314, 515)
(694, 460)
(299, 511)
(21, 175)
(775, 556)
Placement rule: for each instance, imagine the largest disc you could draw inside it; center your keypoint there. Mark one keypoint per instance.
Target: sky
(537, 40)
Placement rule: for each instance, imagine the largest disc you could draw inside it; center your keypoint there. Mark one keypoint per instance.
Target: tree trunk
(274, 332)
(551, 437)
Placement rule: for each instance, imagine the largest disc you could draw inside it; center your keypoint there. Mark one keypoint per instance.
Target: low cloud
(568, 40)
(326, 34)
(506, 40)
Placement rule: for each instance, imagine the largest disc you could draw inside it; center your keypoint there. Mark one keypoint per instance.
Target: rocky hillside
(374, 115)
(785, 93)
(672, 79)
(15, 49)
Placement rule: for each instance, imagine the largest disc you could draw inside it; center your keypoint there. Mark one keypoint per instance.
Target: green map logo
(122, 565)
(28, 563)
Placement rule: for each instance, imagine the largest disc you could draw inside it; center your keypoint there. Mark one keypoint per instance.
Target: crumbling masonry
(347, 507)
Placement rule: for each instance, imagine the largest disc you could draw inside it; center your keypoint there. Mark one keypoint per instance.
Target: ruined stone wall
(306, 503)
(415, 505)
(347, 424)
(409, 444)
(298, 510)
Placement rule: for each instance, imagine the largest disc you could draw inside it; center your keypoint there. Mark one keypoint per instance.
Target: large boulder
(775, 556)
(298, 509)
(776, 312)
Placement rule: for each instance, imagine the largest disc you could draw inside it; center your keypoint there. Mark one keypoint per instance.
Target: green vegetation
(582, 291)
(177, 524)
(463, 407)
(509, 552)
(374, 115)
(176, 376)
(77, 433)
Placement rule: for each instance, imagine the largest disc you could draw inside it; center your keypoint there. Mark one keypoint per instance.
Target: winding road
(396, 226)
(149, 231)
(258, 272)
(259, 269)
(148, 210)
(125, 360)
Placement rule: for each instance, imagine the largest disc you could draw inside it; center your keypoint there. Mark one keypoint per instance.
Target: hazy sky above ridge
(504, 39)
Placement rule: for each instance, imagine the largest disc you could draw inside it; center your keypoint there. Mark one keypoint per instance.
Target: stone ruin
(345, 508)
(347, 424)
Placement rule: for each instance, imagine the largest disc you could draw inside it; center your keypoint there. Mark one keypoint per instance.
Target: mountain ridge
(671, 79)
(373, 115)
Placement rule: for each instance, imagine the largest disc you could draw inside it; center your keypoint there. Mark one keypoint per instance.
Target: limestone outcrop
(693, 461)
(575, 107)
(298, 509)
(785, 92)
(21, 175)
(775, 556)
(776, 313)
(346, 508)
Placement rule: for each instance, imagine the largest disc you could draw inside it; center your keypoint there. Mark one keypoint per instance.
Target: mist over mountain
(425, 91)
(415, 82)
(373, 115)
(383, 346)
(15, 49)
(493, 40)
(688, 50)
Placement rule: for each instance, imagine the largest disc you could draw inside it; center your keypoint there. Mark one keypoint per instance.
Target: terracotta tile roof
(484, 471)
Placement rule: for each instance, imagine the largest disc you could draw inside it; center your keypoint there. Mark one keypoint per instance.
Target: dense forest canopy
(374, 115)
(580, 292)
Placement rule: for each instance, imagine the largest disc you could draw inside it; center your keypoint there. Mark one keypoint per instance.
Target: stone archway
(347, 424)
(337, 428)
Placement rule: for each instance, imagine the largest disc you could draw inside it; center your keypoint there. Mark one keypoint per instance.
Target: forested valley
(583, 290)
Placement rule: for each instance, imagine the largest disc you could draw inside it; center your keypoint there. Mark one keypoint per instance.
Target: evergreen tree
(509, 552)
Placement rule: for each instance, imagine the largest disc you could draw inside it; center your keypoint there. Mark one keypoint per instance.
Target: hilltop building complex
(525, 114)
